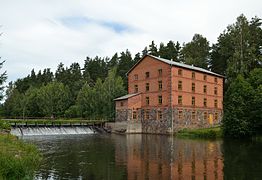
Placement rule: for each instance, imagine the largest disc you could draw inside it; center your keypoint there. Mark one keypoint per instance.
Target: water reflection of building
(161, 157)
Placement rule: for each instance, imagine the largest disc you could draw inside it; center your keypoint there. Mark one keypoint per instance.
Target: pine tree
(3, 77)
(153, 49)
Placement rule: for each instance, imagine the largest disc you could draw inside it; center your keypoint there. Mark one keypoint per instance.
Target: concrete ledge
(116, 127)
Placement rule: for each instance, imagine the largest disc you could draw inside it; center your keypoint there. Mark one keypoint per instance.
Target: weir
(41, 131)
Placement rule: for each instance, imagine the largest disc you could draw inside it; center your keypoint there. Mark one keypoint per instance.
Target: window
(193, 101)
(147, 100)
(216, 116)
(136, 88)
(147, 114)
(159, 115)
(180, 114)
(122, 104)
(193, 87)
(215, 91)
(193, 115)
(159, 72)
(147, 86)
(215, 103)
(205, 89)
(180, 100)
(134, 115)
(147, 74)
(205, 116)
(215, 80)
(136, 77)
(193, 75)
(180, 72)
(179, 85)
(159, 100)
(205, 102)
(160, 85)
(205, 77)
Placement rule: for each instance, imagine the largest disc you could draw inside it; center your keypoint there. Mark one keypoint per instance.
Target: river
(134, 157)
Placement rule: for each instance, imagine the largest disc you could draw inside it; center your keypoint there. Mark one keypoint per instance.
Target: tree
(137, 58)
(196, 52)
(3, 77)
(54, 99)
(145, 51)
(170, 51)
(153, 49)
(14, 105)
(114, 61)
(255, 79)
(125, 63)
(238, 50)
(85, 101)
(113, 87)
(237, 106)
(32, 102)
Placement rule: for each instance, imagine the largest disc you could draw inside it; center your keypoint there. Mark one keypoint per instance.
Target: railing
(54, 122)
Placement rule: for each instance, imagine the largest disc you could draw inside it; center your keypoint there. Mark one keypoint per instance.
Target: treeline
(89, 91)
(67, 94)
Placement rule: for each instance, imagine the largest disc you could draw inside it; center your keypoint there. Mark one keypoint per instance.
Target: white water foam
(40, 131)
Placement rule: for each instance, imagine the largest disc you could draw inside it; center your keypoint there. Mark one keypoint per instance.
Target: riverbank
(208, 133)
(18, 160)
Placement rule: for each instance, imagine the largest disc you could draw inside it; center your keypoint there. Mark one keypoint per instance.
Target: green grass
(18, 160)
(4, 125)
(208, 133)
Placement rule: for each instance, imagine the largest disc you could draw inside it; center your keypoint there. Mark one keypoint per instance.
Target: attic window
(147, 74)
(193, 75)
(136, 77)
(122, 103)
(180, 72)
(160, 72)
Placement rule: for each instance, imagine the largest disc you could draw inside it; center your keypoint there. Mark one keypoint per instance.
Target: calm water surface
(146, 157)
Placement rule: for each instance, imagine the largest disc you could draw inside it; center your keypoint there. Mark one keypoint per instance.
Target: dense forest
(88, 91)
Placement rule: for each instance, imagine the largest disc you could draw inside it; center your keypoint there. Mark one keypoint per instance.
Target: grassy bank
(208, 133)
(18, 160)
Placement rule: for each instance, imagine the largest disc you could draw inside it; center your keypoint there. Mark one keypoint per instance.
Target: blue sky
(41, 33)
(77, 22)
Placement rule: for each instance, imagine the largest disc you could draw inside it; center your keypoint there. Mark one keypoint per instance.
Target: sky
(42, 33)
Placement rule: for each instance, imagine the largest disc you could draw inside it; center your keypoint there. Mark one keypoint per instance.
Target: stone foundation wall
(123, 115)
(200, 122)
(163, 126)
(153, 124)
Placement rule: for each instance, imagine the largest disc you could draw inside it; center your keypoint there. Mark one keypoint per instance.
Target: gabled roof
(173, 63)
(126, 96)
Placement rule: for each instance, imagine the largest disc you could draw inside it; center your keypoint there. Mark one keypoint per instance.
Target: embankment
(18, 160)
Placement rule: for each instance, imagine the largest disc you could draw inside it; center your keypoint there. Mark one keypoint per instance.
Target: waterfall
(41, 131)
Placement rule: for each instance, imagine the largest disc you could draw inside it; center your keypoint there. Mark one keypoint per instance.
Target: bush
(210, 133)
(4, 125)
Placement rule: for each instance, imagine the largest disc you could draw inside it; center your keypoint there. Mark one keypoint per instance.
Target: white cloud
(35, 35)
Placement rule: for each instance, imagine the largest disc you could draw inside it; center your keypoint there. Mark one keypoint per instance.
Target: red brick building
(165, 96)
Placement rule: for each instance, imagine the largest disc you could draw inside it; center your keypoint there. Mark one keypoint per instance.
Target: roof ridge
(192, 67)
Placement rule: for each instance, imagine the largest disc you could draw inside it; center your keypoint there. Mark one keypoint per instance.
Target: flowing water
(42, 131)
(113, 157)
